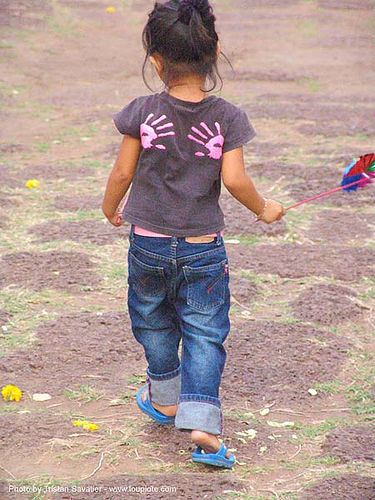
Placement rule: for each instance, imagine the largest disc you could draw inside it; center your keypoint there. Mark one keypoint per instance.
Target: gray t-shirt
(177, 182)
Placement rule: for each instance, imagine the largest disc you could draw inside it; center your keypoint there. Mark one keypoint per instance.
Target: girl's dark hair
(183, 33)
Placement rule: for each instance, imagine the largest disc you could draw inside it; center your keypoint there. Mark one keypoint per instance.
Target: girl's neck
(187, 89)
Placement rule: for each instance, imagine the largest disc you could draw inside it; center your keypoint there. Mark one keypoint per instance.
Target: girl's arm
(121, 177)
(242, 188)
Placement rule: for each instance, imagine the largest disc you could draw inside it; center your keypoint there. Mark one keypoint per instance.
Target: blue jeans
(179, 291)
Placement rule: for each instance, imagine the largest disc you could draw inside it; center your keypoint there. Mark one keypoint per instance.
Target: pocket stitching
(220, 299)
(147, 267)
(135, 278)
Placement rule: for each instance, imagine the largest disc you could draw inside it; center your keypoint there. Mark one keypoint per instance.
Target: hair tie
(187, 7)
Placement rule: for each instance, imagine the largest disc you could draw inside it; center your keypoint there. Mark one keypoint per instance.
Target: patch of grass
(228, 495)
(308, 29)
(251, 239)
(244, 416)
(85, 453)
(137, 379)
(79, 215)
(327, 461)
(313, 430)
(87, 163)
(333, 387)
(9, 408)
(84, 132)
(127, 396)
(289, 320)
(311, 84)
(42, 147)
(114, 460)
(75, 414)
(288, 495)
(70, 131)
(20, 328)
(369, 293)
(130, 442)
(257, 469)
(83, 393)
(359, 393)
(361, 400)
(155, 444)
(61, 21)
(4, 44)
(258, 278)
(11, 90)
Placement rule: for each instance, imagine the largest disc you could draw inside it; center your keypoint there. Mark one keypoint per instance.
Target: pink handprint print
(149, 134)
(214, 145)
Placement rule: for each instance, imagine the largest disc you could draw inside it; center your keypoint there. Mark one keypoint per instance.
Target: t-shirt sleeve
(128, 120)
(240, 131)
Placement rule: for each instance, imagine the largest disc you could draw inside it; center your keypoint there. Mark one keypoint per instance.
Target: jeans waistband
(173, 239)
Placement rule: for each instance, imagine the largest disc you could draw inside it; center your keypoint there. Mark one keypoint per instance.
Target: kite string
(319, 196)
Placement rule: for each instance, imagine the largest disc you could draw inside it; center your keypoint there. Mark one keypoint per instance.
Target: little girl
(177, 147)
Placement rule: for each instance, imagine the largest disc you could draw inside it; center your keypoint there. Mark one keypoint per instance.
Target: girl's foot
(169, 411)
(209, 442)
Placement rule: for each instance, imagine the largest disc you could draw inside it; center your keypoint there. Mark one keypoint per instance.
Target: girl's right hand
(272, 212)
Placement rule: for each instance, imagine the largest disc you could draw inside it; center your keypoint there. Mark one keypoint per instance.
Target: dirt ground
(298, 388)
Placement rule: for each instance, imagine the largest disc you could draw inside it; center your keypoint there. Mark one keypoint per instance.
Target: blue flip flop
(147, 408)
(218, 459)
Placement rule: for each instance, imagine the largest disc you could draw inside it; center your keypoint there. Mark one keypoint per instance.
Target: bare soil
(243, 289)
(7, 201)
(338, 226)
(276, 362)
(90, 231)
(295, 261)
(18, 178)
(327, 304)
(102, 342)
(354, 442)
(3, 222)
(37, 270)
(187, 486)
(345, 487)
(4, 316)
(77, 202)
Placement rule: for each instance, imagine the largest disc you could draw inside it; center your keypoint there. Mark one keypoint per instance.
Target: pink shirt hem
(146, 232)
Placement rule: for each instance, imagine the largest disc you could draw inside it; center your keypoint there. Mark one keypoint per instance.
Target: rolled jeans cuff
(164, 389)
(199, 415)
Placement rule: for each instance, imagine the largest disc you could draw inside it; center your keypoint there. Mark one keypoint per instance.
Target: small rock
(41, 397)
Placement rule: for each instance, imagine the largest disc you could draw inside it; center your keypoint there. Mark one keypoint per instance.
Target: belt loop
(218, 238)
(131, 233)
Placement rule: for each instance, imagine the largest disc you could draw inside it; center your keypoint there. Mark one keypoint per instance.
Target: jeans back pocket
(145, 279)
(206, 285)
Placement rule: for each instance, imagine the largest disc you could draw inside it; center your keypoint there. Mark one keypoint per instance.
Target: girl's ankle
(169, 411)
(208, 442)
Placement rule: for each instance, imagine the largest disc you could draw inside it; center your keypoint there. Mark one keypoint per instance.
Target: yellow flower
(90, 426)
(32, 183)
(86, 425)
(110, 9)
(11, 392)
(78, 422)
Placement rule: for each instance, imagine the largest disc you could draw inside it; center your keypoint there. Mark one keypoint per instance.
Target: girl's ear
(157, 63)
(218, 49)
